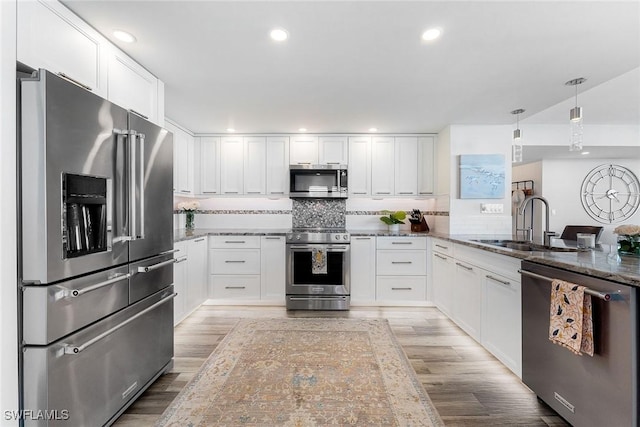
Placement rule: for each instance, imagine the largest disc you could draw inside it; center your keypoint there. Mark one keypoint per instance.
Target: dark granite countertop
(598, 262)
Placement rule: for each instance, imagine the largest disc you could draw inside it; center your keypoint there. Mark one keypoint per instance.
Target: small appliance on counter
(417, 220)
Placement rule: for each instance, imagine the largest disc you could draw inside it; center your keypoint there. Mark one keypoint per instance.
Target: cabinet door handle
(230, 192)
(235, 287)
(234, 241)
(495, 279)
(179, 260)
(74, 81)
(232, 261)
(333, 163)
(426, 192)
(199, 240)
(402, 243)
(209, 192)
(383, 192)
(359, 192)
(253, 192)
(362, 238)
(401, 262)
(272, 238)
(442, 247)
(304, 163)
(405, 192)
(401, 289)
(185, 191)
(464, 266)
(441, 257)
(276, 192)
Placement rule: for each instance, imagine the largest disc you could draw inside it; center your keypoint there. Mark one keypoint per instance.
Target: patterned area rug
(305, 372)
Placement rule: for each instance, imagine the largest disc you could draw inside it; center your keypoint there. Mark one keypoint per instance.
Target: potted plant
(393, 219)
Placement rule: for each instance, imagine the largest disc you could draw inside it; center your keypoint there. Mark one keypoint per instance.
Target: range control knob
(298, 237)
(290, 237)
(337, 237)
(345, 237)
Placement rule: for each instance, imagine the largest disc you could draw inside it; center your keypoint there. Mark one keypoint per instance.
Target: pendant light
(575, 117)
(516, 145)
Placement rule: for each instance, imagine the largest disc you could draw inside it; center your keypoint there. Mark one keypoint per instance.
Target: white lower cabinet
(197, 272)
(481, 292)
(502, 319)
(272, 268)
(401, 269)
(180, 282)
(466, 306)
(442, 267)
(362, 269)
(189, 277)
(247, 268)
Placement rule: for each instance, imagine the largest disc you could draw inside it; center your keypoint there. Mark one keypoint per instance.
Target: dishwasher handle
(605, 296)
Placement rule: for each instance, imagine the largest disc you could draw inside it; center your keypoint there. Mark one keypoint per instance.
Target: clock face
(610, 193)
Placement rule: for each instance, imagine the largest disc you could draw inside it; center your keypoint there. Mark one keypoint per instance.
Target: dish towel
(318, 261)
(571, 320)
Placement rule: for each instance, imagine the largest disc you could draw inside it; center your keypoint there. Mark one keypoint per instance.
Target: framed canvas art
(482, 176)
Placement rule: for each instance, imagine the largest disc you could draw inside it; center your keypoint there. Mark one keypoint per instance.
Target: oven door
(304, 279)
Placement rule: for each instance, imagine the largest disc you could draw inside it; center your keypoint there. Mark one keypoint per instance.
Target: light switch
(491, 208)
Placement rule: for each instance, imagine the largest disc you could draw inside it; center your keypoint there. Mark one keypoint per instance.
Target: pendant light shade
(516, 145)
(575, 119)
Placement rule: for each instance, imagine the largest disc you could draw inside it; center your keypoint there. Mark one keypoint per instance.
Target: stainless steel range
(318, 269)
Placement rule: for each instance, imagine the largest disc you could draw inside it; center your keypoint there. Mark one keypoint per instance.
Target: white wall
(465, 216)
(562, 180)
(8, 258)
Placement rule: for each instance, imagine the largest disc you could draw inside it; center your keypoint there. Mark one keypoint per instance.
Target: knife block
(420, 226)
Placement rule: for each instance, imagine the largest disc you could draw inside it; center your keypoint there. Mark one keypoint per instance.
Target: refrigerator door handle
(136, 184)
(72, 293)
(122, 198)
(75, 349)
(141, 178)
(149, 268)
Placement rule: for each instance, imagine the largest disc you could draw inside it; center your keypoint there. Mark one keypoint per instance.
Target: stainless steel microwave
(318, 181)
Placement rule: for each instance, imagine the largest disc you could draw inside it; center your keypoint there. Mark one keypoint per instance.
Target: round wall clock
(610, 193)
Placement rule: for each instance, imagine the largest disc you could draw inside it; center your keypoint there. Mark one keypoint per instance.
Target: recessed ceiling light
(302, 130)
(373, 129)
(431, 34)
(231, 130)
(124, 36)
(584, 153)
(279, 34)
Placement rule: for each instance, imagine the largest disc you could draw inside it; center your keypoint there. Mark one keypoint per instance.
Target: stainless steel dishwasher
(587, 391)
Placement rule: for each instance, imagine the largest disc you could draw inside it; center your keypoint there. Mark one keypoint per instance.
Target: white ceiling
(351, 65)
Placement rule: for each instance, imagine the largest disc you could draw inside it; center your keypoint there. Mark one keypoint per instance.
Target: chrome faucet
(547, 234)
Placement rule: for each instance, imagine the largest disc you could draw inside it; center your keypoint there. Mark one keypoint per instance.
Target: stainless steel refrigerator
(96, 264)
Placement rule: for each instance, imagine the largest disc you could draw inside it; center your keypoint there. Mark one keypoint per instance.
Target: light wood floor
(468, 386)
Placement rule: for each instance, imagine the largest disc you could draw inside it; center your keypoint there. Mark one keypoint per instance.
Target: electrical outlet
(491, 208)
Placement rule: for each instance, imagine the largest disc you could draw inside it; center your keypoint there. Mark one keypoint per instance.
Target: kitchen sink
(521, 245)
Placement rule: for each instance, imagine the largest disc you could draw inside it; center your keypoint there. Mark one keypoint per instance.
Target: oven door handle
(329, 248)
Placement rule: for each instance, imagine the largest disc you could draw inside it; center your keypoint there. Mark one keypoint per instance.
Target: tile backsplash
(319, 213)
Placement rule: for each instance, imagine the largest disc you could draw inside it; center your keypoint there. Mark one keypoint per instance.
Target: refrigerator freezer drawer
(93, 374)
(51, 312)
(150, 276)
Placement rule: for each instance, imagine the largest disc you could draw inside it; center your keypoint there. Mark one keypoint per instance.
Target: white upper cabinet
(406, 166)
(382, 165)
(426, 164)
(183, 160)
(359, 165)
(131, 86)
(303, 150)
(255, 162)
(333, 150)
(277, 165)
(209, 165)
(232, 165)
(51, 37)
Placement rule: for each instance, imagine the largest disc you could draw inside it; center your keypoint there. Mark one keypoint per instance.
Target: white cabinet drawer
(442, 246)
(234, 242)
(234, 261)
(401, 263)
(234, 287)
(401, 288)
(387, 242)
